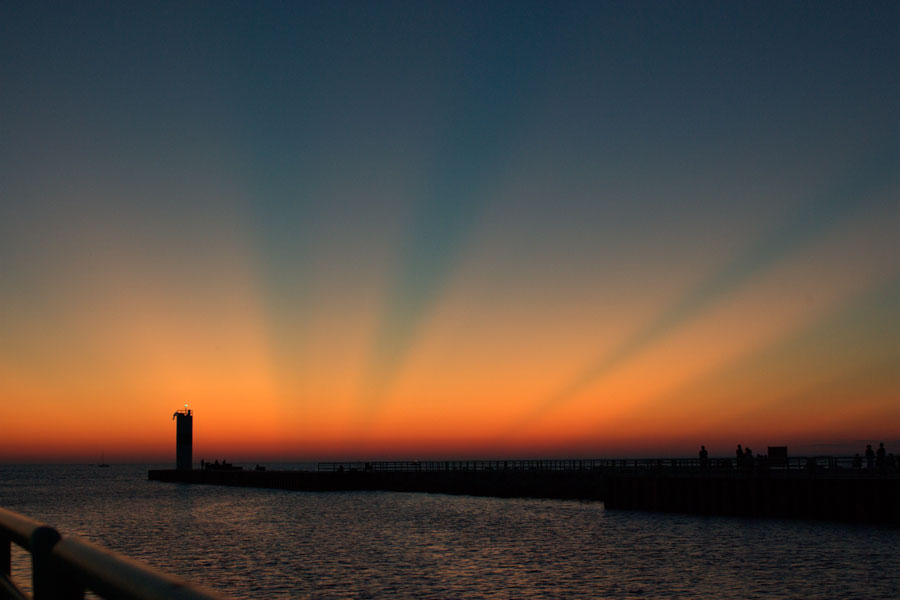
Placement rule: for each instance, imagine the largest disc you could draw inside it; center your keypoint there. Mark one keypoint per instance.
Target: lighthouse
(184, 438)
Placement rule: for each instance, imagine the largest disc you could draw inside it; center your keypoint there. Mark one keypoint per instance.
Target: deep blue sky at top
(298, 91)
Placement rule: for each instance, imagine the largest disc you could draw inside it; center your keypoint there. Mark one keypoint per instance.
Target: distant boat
(102, 461)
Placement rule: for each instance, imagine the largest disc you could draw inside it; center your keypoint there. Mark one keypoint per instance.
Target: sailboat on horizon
(102, 460)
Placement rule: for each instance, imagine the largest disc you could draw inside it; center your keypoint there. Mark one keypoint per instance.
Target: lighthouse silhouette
(184, 438)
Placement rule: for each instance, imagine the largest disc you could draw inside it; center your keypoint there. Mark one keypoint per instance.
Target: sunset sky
(447, 229)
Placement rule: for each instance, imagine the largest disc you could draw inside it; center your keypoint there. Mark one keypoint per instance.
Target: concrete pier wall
(862, 499)
(503, 484)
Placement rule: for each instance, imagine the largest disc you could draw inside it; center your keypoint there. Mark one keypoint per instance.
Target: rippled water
(267, 543)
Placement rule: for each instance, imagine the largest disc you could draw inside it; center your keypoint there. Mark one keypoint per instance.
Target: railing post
(47, 580)
(5, 557)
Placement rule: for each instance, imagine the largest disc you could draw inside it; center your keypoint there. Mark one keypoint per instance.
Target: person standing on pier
(704, 457)
(738, 457)
(870, 457)
(879, 460)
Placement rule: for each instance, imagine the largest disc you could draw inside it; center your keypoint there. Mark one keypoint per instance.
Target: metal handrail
(64, 568)
(17, 528)
(9, 590)
(14, 528)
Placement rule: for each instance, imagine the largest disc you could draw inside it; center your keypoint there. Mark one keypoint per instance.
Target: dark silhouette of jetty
(773, 485)
(799, 487)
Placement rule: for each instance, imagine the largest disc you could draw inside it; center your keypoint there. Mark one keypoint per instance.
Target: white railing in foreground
(63, 568)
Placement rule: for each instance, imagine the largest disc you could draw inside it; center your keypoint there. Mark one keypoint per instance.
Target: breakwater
(860, 499)
(504, 484)
(801, 489)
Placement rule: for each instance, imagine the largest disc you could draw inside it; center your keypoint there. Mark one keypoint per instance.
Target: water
(250, 543)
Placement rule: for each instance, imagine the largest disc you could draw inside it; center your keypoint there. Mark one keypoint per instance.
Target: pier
(829, 488)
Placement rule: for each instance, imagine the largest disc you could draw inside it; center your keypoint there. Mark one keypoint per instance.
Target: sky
(413, 230)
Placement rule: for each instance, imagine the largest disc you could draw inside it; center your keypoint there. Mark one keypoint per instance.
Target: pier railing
(64, 568)
(844, 465)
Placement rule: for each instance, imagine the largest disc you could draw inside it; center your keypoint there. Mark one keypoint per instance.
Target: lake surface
(254, 543)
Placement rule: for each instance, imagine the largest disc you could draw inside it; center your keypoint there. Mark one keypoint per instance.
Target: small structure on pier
(184, 438)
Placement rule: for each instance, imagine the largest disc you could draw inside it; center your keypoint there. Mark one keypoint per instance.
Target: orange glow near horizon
(804, 373)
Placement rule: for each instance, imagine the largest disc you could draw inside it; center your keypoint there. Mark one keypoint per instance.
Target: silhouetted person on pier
(748, 460)
(879, 460)
(704, 457)
(738, 457)
(870, 457)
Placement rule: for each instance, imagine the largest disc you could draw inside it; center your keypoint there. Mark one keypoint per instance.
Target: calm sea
(252, 543)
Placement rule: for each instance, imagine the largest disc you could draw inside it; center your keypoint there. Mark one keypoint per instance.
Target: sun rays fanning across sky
(406, 230)
(868, 187)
